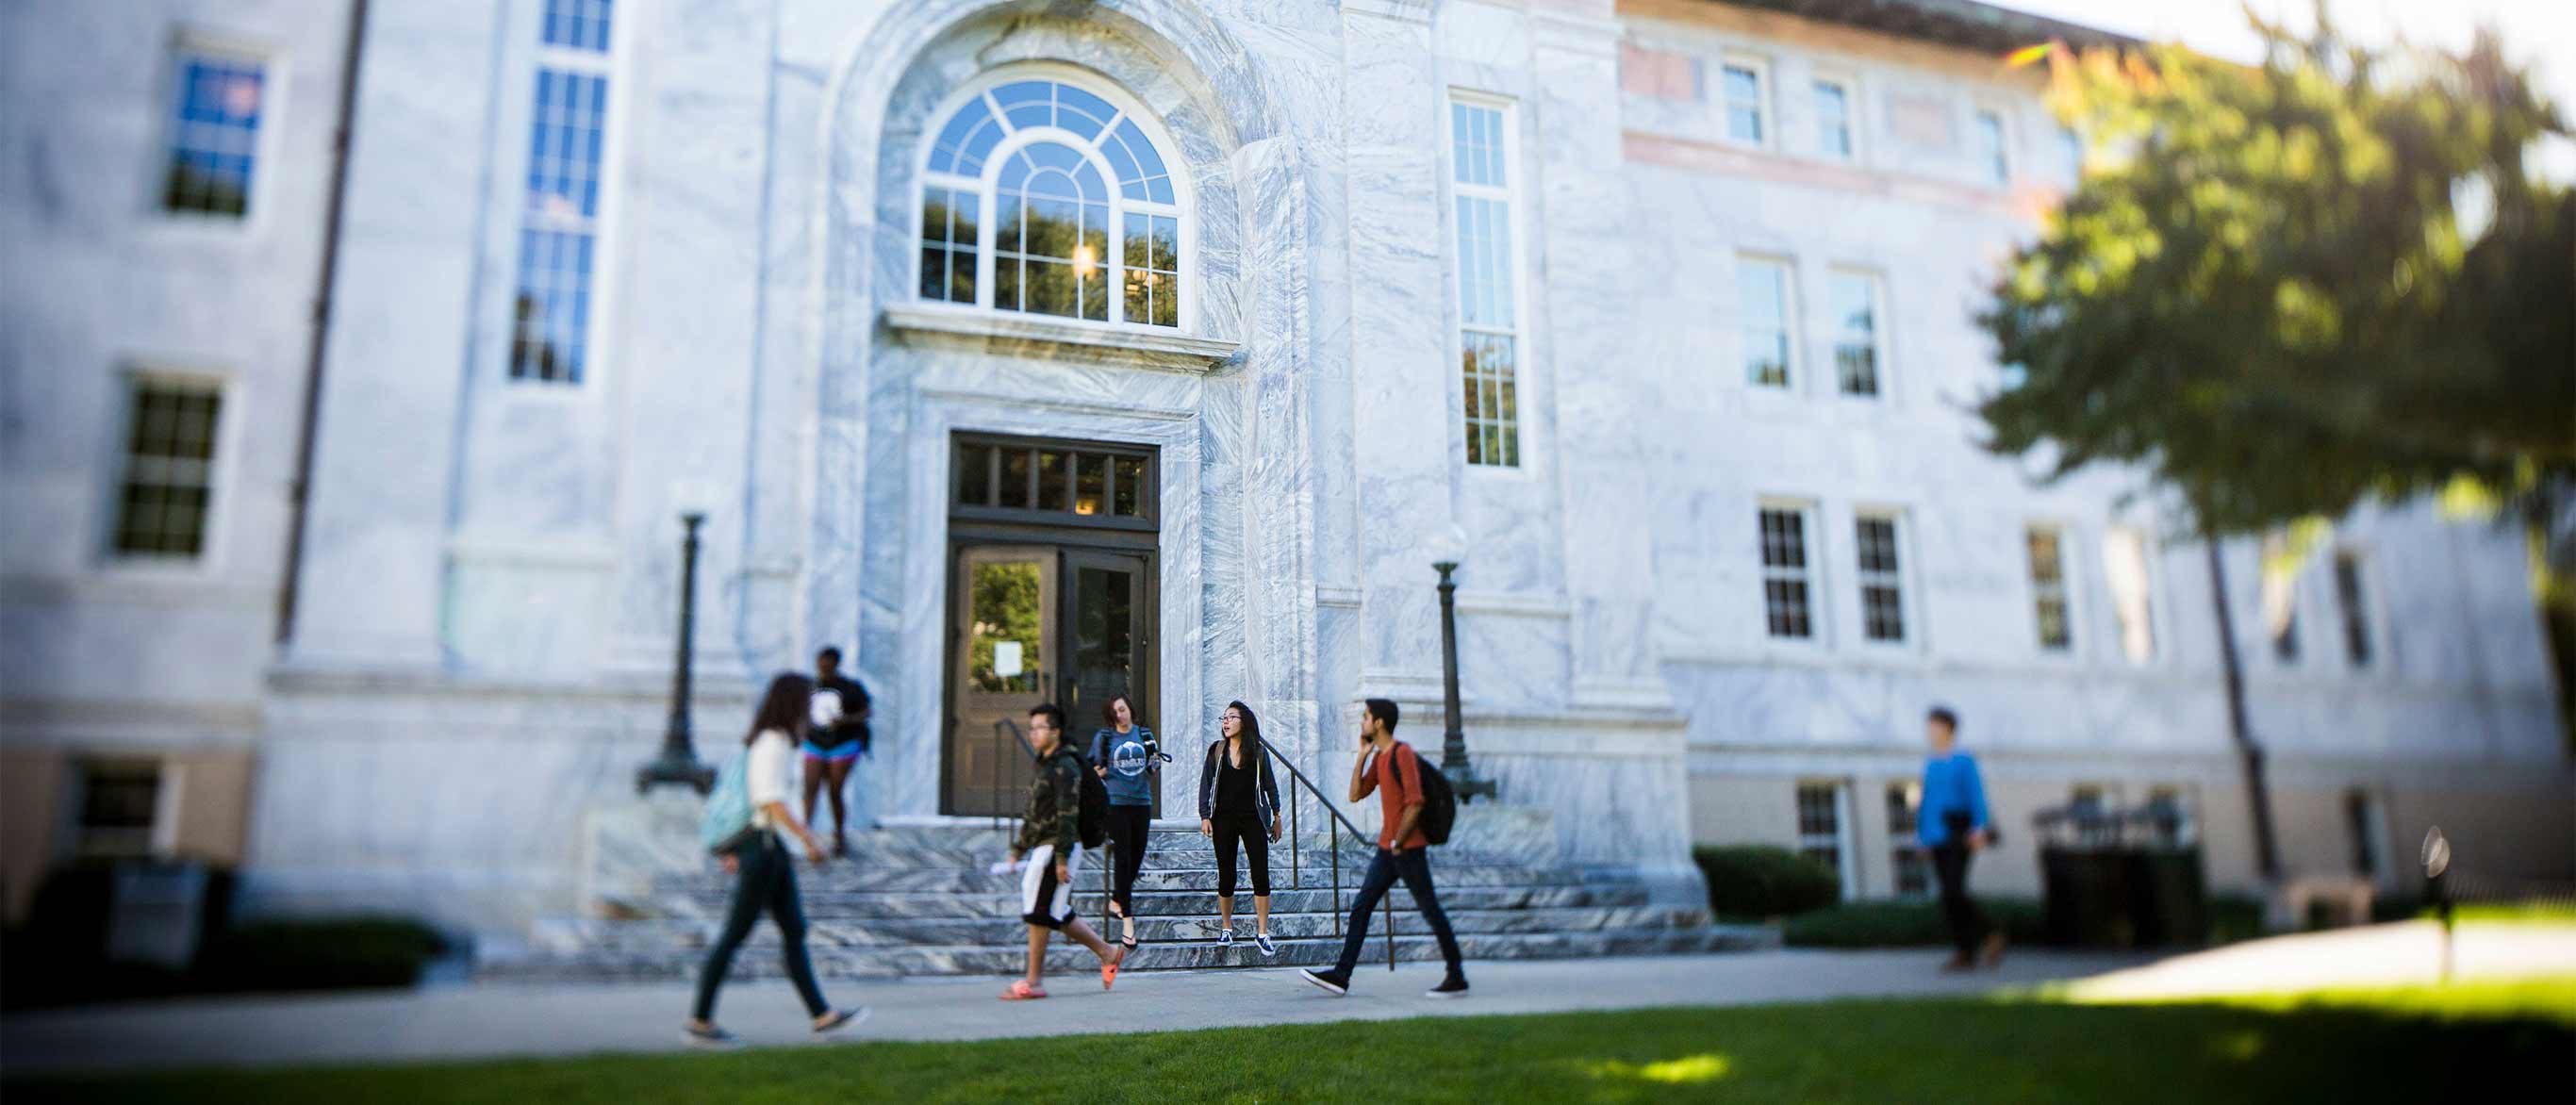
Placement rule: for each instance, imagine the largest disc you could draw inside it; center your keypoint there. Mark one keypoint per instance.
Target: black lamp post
(1453, 738)
(678, 762)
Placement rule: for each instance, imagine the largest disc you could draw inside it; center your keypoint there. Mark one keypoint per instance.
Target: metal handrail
(1337, 824)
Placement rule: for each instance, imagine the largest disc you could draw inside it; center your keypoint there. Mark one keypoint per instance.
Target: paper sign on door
(1006, 658)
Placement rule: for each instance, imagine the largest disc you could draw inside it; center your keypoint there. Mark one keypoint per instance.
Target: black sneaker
(1331, 982)
(708, 1036)
(1454, 986)
(841, 1018)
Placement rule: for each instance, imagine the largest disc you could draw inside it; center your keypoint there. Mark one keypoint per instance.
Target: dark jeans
(1128, 826)
(1255, 838)
(767, 882)
(1414, 867)
(1968, 925)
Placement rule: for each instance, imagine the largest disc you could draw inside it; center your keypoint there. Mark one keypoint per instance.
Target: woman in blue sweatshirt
(1951, 824)
(1126, 757)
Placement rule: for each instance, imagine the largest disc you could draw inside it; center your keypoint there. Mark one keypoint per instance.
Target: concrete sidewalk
(493, 1020)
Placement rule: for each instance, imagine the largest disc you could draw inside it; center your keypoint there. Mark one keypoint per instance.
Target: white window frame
(1852, 128)
(2067, 543)
(1790, 330)
(1901, 535)
(1183, 208)
(1903, 844)
(2158, 648)
(1846, 860)
(1509, 196)
(1879, 345)
(118, 449)
(1986, 172)
(1811, 572)
(1766, 99)
(274, 78)
(2283, 588)
(612, 67)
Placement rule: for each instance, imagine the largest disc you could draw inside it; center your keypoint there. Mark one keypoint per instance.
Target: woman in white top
(767, 878)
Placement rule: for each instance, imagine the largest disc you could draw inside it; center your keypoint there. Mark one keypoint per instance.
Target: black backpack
(1094, 816)
(1439, 803)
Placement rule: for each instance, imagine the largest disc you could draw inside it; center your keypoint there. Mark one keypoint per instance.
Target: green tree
(2290, 287)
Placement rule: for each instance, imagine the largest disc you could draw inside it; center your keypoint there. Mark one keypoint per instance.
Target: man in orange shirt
(1390, 768)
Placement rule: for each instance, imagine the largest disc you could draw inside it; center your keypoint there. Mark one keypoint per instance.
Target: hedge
(1903, 924)
(1757, 880)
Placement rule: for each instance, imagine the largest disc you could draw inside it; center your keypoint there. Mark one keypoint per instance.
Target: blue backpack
(727, 823)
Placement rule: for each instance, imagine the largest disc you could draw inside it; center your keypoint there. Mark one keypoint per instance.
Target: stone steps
(759, 958)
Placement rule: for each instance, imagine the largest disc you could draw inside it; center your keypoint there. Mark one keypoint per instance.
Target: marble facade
(491, 568)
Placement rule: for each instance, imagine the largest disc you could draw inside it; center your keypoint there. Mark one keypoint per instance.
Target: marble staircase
(919, 900)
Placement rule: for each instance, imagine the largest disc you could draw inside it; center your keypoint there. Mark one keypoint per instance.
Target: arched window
(1041, 197)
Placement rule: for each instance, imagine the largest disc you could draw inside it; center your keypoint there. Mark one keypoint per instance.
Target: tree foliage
(2288, 287)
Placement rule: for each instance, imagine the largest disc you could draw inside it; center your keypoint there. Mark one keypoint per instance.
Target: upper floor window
(1744, 101)
(2280, 598)
(1994, 159)
(1763, 298)
(2124, 567)
(1882, 578)
(214, 134)
(1026, 184)
(559, 222)
(1488, 312)
(2048, 587)
(1856, 340)
(166, 496)
(1834, 120)
(2356, 610)
(2070, 154)
(1787, 610)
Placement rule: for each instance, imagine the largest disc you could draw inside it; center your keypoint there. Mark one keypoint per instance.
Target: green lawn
(2410, 1046)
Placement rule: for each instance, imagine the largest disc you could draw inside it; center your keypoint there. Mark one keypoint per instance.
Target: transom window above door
(1043, 197)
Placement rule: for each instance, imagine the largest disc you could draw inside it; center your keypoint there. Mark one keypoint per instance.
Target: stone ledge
(1012, 333)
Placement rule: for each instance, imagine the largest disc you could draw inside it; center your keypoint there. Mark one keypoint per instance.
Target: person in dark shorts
(1239, 805)
(1389, 767)
(1050, 841)
(834, 741)
(1128, 760)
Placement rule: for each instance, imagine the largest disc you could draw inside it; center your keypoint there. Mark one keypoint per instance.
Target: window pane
(1055, 481)
(1090, 483)
(1833, 120)
(2124, 564)
(1990, 143)
(1016, 472)
(214, 135)
(166, 492)
(2356, 615)
(1762, 302)
(975, 475)
(1127, 500)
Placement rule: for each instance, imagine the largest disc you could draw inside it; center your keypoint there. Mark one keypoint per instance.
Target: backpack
(1093, 817)
(727, 823)
(1439, 803)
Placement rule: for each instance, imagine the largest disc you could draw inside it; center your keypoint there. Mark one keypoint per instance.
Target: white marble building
(1606, 290)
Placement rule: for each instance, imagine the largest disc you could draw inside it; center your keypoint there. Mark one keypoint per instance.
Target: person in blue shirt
(1952, 825)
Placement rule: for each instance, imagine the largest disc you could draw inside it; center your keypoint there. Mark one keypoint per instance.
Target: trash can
(2109, 880)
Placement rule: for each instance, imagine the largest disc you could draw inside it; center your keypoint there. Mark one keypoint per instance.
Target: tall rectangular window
(2356, 608)
(1834, 120)
(1993, 157)
(1763, 302)
(1856, 339)
(120, 802)
(1905, 854)
(948, 243)
(1742, 82)
(2362, 820)
(1882, 578)
(1820, 827)
(2169, 812)
(166, 495)
(559, 223)
(2047, 551)
(2280, 598)
(2124, 567)
(1481, 144)
(214, 134)
(1787, 594)
(2070, 154)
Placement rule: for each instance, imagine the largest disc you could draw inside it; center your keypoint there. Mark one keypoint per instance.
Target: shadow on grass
(1849, 1051)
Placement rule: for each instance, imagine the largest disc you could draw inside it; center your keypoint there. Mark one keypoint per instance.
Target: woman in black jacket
(1239, 801)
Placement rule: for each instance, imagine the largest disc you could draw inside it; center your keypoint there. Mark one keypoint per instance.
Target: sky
(2539, 33)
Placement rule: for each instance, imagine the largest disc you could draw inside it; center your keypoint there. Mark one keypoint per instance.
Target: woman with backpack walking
(1125, 755)
(1239, 802)
(753, 791)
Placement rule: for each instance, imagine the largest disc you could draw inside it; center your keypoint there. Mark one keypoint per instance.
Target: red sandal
(1021, 991)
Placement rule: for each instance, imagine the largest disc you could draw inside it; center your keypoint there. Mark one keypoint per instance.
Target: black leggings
(767, 884)
(1256, 840)
(1128, 827)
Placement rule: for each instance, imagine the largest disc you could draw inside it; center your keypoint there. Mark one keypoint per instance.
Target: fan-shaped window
(1044, 198)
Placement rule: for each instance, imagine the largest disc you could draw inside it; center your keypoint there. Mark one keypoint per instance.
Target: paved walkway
(489, 1020)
